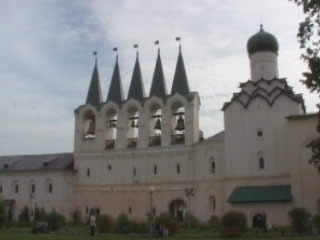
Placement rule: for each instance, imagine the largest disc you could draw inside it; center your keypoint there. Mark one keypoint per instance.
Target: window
(50, 188)
(33, 188)
(261, 163)
(88, 172)
(109, 167)
(130, 210)
(178, 168)
(16, 188)
(212, 165)
(212, 202)
(259, 133)
(87, 210)
(155, 169)
(1, 189)
(134, 172)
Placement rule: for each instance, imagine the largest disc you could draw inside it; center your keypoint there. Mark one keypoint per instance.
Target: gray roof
(94, 96)
(61, 161)
(180, 80)
(136, 90)
(115, 91)
(219, 137)
(158, 86)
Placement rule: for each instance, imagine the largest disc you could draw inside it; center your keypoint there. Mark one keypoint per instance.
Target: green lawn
(83, 234)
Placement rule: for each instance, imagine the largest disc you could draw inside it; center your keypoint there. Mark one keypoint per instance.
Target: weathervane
(178, 39)
(157, 42)
(115, 49)
(137, 47)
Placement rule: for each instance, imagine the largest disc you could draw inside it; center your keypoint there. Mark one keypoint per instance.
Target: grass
(82, 233)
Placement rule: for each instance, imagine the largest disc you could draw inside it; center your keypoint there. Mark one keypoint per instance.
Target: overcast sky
(46, 57)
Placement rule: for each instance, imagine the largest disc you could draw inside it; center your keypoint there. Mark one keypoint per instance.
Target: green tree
(309, 39)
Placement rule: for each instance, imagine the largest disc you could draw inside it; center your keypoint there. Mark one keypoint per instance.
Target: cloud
(46, 59)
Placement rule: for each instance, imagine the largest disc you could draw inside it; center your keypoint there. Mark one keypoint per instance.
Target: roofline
(302, 116)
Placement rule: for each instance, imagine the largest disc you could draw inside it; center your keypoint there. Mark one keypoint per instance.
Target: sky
(46, 59)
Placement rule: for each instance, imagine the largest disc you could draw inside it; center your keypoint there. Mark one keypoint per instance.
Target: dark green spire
(115, 91)
(158, 85)
(136, 90)
(94, 96)
(180, 80)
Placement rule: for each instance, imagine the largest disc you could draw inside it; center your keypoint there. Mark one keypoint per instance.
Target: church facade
(146, 154)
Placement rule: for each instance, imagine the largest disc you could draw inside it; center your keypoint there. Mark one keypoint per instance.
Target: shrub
(138, 227)
(214, 223)
(76, 217)
(105, 224)
(191, 221)
(234, 224)
(300, 219)
(3, 215)
(55, 220)
(316, 221)
(170, 222)
(122, 224)
(24, 217)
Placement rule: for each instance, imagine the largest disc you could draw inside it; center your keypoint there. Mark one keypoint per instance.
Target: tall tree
(309, 39)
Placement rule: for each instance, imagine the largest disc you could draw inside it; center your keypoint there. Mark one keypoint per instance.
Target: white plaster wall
(264, 65)
(242, 143)
(60, 199)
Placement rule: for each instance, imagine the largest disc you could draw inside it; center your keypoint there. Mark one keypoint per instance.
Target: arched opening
(111, 130)
(155, 126)
(178, 123)
(133, 127)
(178, 209)
(89, 126)
(259, 220)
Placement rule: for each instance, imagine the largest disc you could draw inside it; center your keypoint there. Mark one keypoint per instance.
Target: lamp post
(151, 190)
(189, 191)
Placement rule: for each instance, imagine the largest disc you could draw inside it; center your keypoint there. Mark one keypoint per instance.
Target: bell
(134, 124)
(157, 126)
(112, 123)
(92, 127)
(180, 124)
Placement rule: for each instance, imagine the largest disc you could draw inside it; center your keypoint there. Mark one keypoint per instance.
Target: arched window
(134, 171)
(261, 161)
(178, 123)
(88, 172)
(212, 202)
(33, 188)
(89, 125)
(133, 127)
(111, 130)
(212, 163)
(49, 186)
(178, 169)
(155, 169)
(15, 186)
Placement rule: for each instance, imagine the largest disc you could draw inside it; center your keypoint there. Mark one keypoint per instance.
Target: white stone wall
(60, 199)
(264, 65)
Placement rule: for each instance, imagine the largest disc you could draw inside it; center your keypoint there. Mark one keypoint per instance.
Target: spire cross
(157, 42)
(261, 27)
(95, 53)
(178, 39)
(137, 47)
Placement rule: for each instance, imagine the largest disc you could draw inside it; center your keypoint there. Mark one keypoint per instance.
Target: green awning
(261, 194)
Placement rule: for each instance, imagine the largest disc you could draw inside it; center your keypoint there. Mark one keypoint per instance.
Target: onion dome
(262, 41)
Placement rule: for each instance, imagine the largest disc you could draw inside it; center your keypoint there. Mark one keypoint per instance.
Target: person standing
(92, 224)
